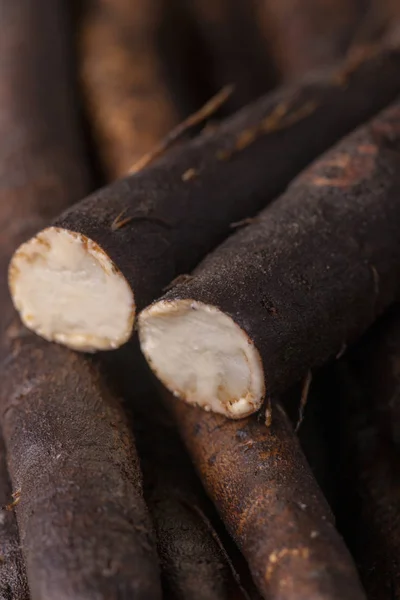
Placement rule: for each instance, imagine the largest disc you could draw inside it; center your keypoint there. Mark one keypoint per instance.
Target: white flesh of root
(67, 290)
(202, 356)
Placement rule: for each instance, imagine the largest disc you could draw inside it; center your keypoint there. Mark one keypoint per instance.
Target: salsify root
(81, 281)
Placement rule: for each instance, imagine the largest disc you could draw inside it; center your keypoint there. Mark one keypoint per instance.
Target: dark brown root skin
(309, 34)
(239, 54)
(84, 526)
(262, 487)
(13, 582)
(173, 223)
(193, 565)
(367, 384)
(128, 101)
(38, 135)
(317, 267)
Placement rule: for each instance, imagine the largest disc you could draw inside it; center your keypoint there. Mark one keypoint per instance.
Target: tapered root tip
(67, 290)
(202, 356)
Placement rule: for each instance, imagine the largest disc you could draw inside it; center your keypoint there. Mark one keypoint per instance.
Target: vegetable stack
(207, 192)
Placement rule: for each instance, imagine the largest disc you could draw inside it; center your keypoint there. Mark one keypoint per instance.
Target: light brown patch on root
(275, 557)
(356, 58)
(277, 122)
(245, 139)
(268, 413)
(189, 174)
(281, 117)
(224, 155)
(352, 168)
(16, 499)
(253, 508)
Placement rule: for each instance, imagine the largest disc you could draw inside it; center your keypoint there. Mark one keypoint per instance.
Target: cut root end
(202, 356)
(67, 290)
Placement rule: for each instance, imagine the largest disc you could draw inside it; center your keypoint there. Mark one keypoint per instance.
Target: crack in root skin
(304, 398)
